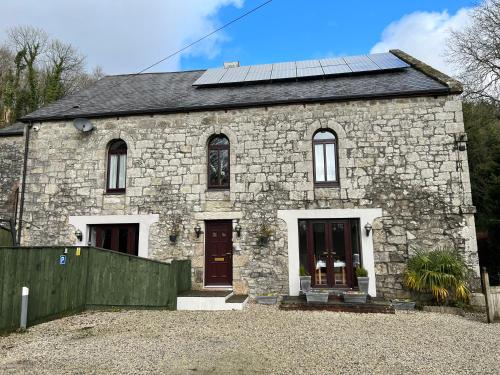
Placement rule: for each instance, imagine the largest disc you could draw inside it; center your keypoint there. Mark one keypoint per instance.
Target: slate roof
(12, 130)
(174, 92)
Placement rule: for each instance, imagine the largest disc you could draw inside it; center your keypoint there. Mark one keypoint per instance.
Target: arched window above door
(325, 158)
(117, 166)
(218, 162)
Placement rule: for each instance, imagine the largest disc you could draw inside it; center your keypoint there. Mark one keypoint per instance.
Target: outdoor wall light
(197, 230)
(78, 234)
(237, 229)
(368, 228)
(461, 141)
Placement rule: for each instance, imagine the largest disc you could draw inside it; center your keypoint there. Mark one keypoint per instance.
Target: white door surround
(291, 218)
(144, 221)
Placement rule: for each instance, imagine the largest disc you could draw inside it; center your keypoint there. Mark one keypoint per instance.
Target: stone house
(256, 173)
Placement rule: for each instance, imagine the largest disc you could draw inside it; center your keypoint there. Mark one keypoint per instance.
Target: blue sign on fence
(62, 259)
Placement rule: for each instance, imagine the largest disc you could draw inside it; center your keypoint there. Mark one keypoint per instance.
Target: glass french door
(330, 253)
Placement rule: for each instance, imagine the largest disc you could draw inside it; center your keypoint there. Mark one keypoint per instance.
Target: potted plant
(174, 233)
(441, 273)
(267, 299)
(317, 296)
(363, 279)
(265, 232)
(354, 296)
(305, 280)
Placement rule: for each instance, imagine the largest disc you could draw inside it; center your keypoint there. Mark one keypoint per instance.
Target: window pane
(330, 162)
(123, 171)
(224, 167)
(213, 168)
(219, 141)
(320, 254)
(113, 160)
(122, 240)
(339, 258)
(320, 163)
(323, 135)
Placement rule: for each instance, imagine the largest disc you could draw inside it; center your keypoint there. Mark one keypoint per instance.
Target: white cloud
(424, 35)
(124, 36)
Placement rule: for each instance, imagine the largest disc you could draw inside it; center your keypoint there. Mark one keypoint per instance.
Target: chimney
(231, 64)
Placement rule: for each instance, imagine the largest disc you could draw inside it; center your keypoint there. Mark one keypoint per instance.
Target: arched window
(325, 158)
(117, 166)
(218, 162)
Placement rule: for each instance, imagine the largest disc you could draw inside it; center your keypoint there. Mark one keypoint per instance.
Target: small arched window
(117, 166)
(325, 158)
(218, 162)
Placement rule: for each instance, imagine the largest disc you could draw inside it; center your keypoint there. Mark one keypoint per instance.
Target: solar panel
(387, 61)
(309, 72)
(332, 61)
(336, 69)
(210, 77)
(235, 75)
(258, 76)
(364, 67)
(307, 64)
(283, 74)
(357, 59)
(284, 66)
(307, 68)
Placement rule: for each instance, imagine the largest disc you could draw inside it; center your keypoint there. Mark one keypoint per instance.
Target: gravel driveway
(260, 340)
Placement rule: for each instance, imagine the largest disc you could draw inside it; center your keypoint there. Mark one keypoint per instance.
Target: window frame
(325, 142)
(120, 151)
(219, 148)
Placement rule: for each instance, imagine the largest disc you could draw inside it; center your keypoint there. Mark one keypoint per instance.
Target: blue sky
(298, 29)
(125, 36)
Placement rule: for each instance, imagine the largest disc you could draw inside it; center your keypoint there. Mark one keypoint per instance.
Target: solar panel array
(299, 69)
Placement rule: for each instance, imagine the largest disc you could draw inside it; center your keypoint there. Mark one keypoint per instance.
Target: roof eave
(454, 86)
(436, 92)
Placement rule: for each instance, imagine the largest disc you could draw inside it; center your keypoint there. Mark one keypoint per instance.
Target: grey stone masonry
(11, 163)
(395, 154)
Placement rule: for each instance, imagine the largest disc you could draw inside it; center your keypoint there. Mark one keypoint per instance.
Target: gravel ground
(261, 340)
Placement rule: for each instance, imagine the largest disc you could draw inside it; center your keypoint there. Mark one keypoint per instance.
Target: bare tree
(29, 43)
(63, 68)
(475, 51)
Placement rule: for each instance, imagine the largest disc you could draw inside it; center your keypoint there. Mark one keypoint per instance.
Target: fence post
(24, 307)
(487, 295)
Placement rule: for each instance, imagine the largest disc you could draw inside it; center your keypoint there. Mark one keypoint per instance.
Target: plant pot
(266, 300)
(401, 304)
(173, 238)
(305, 284)
(317, 297)
(355, 297)
(363, 284)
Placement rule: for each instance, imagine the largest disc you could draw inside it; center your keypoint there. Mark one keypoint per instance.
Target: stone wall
(395, 154)
(11, 163)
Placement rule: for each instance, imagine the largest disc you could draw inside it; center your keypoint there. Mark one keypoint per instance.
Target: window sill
(327, 185)
(115, 192)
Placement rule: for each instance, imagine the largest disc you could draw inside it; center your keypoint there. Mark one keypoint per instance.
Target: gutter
(27, 129)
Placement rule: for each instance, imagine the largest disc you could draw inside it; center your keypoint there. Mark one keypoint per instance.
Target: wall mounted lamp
(368, 228)
(197, 230)
(461, 141)
(78, 234)
(237, 229)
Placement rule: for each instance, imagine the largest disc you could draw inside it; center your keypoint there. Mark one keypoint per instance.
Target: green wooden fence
(94, 278)
(5, 237)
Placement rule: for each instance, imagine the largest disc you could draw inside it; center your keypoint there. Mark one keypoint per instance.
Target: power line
(186, 47)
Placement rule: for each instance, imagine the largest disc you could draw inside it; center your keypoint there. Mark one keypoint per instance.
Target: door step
(203, 300)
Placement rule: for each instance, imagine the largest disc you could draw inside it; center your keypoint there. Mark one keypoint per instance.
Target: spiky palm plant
(441, 272)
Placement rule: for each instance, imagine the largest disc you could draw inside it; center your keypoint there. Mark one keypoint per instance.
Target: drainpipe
(27, 129)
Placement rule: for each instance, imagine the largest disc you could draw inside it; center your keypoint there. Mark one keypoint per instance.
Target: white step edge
(208, 304)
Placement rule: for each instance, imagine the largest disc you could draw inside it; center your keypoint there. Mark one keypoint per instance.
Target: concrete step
(195, 300)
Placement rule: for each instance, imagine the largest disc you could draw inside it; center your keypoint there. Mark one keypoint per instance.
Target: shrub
(441, 272)
(361, 272)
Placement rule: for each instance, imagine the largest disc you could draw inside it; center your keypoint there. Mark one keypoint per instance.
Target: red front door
(218, 253)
